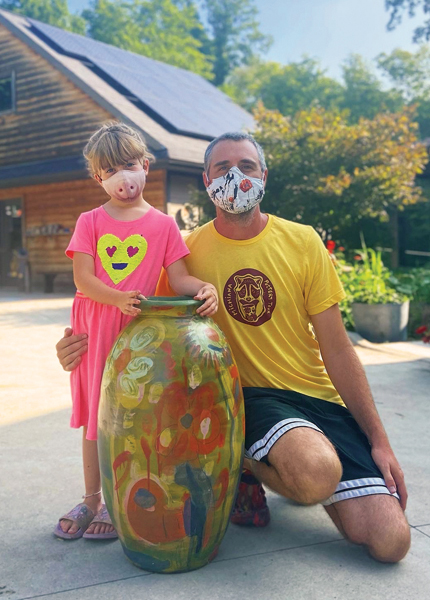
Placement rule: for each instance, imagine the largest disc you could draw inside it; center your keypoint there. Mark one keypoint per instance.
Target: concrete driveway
(299, 556)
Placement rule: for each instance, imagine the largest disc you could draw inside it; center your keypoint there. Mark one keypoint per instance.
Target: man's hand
(391, 472)
(70, 349)
(210, 295)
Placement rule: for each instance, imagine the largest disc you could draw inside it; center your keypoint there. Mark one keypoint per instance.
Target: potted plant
(380, 312)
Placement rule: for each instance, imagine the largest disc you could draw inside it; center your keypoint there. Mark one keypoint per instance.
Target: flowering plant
(424, 331)
(331, 245)
(367, 281)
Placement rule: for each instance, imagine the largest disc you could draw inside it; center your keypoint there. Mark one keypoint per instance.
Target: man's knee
(389, 541)
(388, 548)
(317, 484)
(313, 474)
(393, 548)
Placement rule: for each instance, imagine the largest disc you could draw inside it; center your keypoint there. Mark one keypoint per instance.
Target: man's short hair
(236, 136)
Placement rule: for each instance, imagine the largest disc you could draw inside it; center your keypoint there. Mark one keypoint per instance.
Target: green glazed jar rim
(170, 301)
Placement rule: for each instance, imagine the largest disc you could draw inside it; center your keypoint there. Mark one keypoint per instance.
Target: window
(7, 100)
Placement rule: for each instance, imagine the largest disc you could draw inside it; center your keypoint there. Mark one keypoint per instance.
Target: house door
(11, 247)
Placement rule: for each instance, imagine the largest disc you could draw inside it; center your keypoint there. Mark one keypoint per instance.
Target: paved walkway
(299, 556)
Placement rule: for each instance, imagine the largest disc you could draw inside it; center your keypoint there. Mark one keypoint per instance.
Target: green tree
(165, 30)
(112, 23)
(399, 7)
(301, 85)
(364, 95)
(234, 34)
(409, 74)
(332, 174)
(53, 12)
(287, 88)
(246, 83)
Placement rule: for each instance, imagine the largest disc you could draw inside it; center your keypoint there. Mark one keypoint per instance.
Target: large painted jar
(170, 437)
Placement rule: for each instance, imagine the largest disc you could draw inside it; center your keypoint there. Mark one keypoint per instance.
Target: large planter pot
(170, 438)
(381, 322)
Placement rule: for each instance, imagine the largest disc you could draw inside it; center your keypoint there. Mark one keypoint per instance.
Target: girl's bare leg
(92, 485)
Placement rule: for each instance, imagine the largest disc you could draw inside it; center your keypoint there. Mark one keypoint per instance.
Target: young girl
(118, 251)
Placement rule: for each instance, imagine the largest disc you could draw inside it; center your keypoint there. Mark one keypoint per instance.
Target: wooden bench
(49, 277)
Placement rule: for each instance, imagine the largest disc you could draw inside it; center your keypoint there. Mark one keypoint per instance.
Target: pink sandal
(101, 517)
(82, 515)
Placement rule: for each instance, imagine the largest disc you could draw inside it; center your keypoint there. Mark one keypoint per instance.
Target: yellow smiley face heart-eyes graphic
(120, 258)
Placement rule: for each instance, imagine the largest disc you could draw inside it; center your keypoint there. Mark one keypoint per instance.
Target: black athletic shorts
(270, 413)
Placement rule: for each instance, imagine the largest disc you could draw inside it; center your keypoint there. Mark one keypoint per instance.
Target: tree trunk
(393, 214)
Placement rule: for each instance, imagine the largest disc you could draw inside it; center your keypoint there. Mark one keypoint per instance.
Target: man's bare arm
(70, 349)
(348, 376)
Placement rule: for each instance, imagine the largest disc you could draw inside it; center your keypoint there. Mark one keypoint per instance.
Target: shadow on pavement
(300, 555)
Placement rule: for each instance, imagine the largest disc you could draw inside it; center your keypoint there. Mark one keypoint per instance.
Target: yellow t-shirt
(268, 288)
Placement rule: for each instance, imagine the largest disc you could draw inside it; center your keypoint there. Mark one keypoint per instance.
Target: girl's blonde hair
(114, 144)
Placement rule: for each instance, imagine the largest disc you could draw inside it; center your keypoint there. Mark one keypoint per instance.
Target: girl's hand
(127, 301)
(210, 295)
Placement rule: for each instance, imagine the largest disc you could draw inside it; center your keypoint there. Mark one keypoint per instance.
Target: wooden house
(56, 88)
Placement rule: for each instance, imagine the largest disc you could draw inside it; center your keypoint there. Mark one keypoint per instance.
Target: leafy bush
(415, 283)
(369, 282)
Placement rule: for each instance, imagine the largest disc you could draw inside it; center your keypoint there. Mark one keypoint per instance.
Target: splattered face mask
(236, 193)
(125, 185)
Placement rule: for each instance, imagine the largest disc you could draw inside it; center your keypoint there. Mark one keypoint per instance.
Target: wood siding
(53, 118)
(61, 204)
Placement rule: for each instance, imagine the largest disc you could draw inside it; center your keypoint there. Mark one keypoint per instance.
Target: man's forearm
(348, 377)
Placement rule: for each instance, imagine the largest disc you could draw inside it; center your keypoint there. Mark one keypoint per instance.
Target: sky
(328, 30)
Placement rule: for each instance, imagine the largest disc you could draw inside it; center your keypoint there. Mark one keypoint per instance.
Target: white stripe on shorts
(355, 488)
(263, 446)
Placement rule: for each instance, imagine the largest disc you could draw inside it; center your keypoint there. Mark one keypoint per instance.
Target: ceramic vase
(170, 437)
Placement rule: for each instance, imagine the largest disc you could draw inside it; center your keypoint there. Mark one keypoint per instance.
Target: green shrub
(367, 281)
(415, 283)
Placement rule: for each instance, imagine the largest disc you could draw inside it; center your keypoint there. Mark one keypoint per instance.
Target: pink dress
(128, 255)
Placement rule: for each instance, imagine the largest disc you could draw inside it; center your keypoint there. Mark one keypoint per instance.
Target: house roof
(43, 171)
(177, 110)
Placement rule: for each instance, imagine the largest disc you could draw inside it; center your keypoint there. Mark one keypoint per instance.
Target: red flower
(421, 329)
(357, 257)
(341, 248)
(331, 245)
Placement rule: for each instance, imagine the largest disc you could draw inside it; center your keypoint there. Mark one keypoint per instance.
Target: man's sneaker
(251, 505)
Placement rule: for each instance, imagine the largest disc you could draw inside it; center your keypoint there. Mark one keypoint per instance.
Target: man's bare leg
(376, 522)
(304, 466)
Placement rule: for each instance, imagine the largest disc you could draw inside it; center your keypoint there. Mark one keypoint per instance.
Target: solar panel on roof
(181, 99)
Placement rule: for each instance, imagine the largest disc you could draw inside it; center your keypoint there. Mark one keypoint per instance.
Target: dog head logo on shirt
(120, 258)
(249, 297)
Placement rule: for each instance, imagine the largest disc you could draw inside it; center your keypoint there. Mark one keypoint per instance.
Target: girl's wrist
(117, 298)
